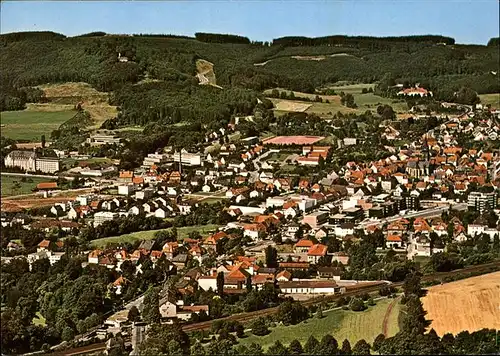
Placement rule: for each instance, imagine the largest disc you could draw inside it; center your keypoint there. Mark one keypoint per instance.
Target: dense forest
(34, 58)
(151, 78)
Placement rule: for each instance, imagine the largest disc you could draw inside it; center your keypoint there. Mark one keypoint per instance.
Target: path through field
(385, 322)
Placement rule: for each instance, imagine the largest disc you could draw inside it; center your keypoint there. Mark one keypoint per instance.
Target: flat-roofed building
(103, 216)
(100, 139)
(154, 159)
(190, 159)
(315, 219)
(310, 287)
(47, 164)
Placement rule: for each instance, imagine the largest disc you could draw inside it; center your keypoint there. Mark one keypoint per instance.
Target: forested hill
(34, 58)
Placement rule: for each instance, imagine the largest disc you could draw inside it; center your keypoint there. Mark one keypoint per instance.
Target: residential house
(316, 252)
(284, 276)
(254, 231)
(302, 246)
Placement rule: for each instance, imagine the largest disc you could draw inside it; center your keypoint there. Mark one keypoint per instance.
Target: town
(177, 195)
(290, 231)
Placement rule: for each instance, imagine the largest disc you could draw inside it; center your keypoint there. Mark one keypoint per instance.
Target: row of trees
(361, 41)
(123, 225)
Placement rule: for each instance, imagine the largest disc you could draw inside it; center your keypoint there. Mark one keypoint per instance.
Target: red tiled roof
(121, 280)
(46, 185)
(394, 238)
(304, 243)
(138, 180)
(237, 275)
(317, 250)
(44, 244)
(126, 174)
(284, 274)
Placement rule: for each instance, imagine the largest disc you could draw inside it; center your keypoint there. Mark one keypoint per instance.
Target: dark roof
(294, 265)
(22, 154)
(266, 270)
(193, 272)
(182, 257)
(347, 226)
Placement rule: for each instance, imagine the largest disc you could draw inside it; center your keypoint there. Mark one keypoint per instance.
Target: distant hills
(437, 62)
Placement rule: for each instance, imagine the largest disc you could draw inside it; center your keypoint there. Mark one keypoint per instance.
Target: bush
(259, 327)
(357, 304)
(364, 296)
(340, 302)
(240, 330)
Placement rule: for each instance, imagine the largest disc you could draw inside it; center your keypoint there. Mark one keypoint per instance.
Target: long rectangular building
(29, 162)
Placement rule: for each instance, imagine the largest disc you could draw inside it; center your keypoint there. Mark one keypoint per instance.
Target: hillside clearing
(492, 99)
(289, 105)
(91, 100)
(470, 304)
(206, 74)
(367, 101)
(30, 125)
(72, 89)
(341, 324)
(149, 235)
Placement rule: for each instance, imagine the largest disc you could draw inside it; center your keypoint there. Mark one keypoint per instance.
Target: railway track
(82, 350)
(249, 316)
(244, 317)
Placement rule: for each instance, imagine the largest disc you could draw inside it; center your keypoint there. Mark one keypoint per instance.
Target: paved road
(419, 214)
(254, 176)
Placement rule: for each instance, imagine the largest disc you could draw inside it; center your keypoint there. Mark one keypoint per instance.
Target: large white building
(479, 229)
(482, 201)
(29, 162)
(190, 159)
(154, 158)
(100, 139)
(103, 216)
(47, 164)
(310, 287)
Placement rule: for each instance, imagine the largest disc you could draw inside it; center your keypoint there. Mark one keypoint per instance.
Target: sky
(471, 21)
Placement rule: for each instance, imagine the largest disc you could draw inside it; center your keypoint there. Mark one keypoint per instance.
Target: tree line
(360, 40)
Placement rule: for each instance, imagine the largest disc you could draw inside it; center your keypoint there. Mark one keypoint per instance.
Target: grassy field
(26, 187)
(32, 124)
(149, 235)
(352, 88)
(278, 156)
(368, 101)
(341, 324)
(492, 99)
(470, 304)
(212, 200)
(69, 162)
